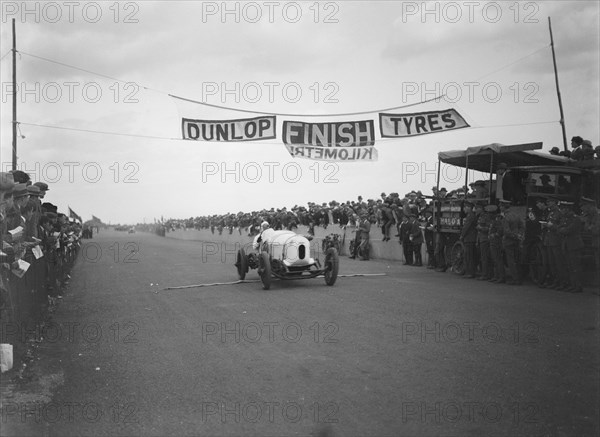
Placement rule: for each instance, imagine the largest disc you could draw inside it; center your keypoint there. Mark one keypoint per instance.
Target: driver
(265, 233)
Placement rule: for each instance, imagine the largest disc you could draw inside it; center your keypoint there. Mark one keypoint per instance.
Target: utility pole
(562, 116)
(14, 100)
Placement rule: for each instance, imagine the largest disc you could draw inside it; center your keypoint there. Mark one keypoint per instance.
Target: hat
(7, 182)
(42, 186)
(443, 189)
(49, 207)
(479, 182)
(554, 150)
(545, 177)
(490, 208)
(33, 190)
(502, 165)
(20, 190)
(20, 176)
(588, 201)
(586, 143)
(504, 202)
(566, 204)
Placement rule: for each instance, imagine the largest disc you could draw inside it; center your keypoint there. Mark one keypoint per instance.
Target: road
(411, 353)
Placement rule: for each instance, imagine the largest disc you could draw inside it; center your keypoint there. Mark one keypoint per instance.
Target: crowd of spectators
(39, 244)
(582, 150)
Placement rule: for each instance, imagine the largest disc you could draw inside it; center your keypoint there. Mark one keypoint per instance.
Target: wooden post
(562, 116)
(14, 100)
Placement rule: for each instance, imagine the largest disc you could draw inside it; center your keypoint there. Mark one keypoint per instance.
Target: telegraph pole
(562, 116)
(14, 100)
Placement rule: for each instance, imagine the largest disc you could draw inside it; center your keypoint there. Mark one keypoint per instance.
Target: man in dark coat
(416, 240)
(468, 235)
(405, 229)
(513, 229)
(570, 229)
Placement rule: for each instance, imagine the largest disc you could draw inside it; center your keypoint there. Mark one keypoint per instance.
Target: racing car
(286, 255)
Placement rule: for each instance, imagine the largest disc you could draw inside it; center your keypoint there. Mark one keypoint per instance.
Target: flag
(74, 215)
(96, 219)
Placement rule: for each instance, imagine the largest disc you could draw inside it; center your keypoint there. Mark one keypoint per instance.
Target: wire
(87, 71)
(225, 107)
(512, 63)
(281, 114)
(5, 55)
(98, 132)
(385, 140)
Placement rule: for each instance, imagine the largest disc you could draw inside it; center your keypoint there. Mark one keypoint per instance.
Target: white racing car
(286, 255)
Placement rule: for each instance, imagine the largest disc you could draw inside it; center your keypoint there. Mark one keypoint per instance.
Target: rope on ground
(246, 281)
(362, 274)
(208, 285)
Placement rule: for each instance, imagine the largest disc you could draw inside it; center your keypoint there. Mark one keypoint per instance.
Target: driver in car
(265, 233)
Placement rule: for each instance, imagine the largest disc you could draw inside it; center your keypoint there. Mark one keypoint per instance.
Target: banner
(74, 215)
(249, 129)
(420, 123)
(333, 153)
(343, 134)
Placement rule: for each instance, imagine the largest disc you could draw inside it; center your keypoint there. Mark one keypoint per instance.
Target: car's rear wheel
(264, 270)
(331, 265)
(241, 264)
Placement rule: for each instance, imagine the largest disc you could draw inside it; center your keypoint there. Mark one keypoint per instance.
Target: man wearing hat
(591, 224)
(570, 228)
(495, 240)
(35, 207)
(513, 230)
(405, 230)
(468, 235)
(552, 240)
(43, 188)
(483, 241)
(7, 185)
(416, 240)
(429, 237)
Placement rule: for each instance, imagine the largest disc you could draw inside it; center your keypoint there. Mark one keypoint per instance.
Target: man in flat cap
(513, 229)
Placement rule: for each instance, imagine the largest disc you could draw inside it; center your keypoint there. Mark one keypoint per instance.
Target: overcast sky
(275, 57)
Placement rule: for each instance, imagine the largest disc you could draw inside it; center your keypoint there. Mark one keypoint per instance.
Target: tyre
(242, 264)
(264, 270)
(331, 266)
(458, 258)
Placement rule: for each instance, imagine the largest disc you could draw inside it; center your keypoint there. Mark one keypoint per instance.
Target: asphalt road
(412, 353)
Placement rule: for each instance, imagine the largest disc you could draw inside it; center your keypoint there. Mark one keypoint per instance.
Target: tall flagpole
(562, 116)
(14, 100)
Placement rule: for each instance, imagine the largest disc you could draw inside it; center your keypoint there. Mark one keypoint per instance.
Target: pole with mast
(562, 116)
(14, 99)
